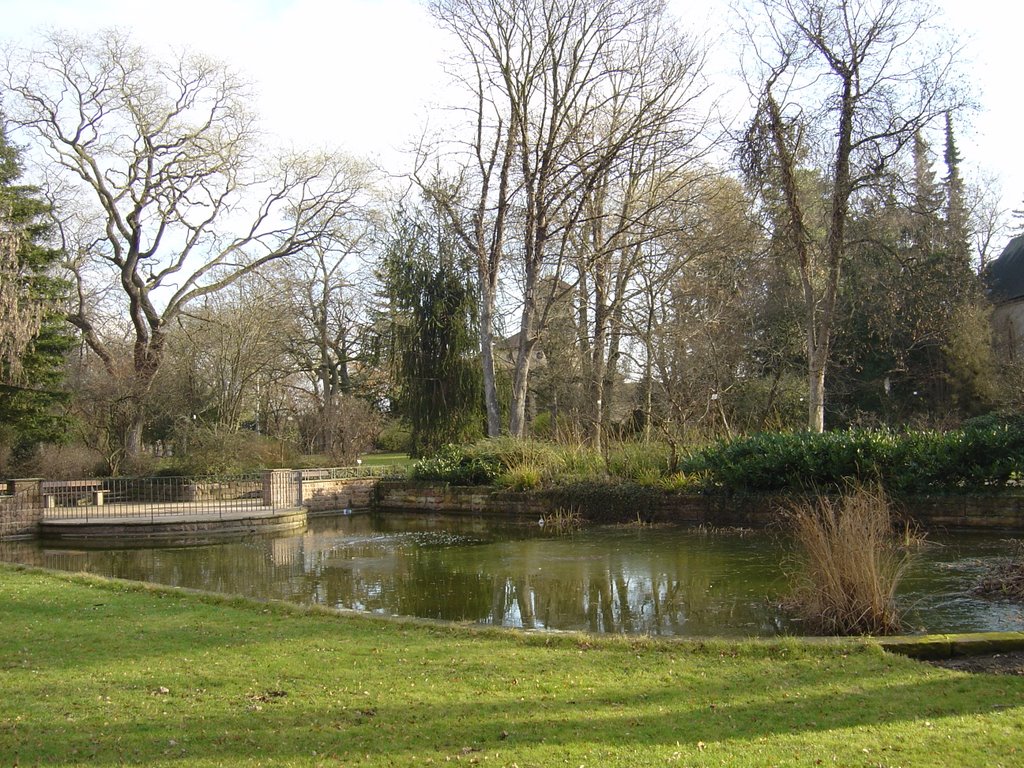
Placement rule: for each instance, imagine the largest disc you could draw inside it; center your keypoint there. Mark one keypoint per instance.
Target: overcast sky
(365, 75)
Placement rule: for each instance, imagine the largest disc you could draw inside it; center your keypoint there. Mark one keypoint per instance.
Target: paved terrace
(180, 509)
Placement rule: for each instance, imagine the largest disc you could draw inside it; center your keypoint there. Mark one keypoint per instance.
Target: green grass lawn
(384, 459)
(107, 673)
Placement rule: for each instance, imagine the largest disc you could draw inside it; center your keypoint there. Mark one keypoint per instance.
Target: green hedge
(982, 456)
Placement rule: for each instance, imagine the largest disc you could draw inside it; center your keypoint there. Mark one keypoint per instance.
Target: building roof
(1005, 276)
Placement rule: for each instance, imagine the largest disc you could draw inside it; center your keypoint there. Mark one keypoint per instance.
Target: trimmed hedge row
(983, 456)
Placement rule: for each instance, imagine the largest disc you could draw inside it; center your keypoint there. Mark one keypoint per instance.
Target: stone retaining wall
(331, 495)
(17, 519)
(22, 516)
(21, 509)
(412, 497)
(996, 512)
(172, 532)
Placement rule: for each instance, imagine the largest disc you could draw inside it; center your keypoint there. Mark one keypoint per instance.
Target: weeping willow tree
(431, 337)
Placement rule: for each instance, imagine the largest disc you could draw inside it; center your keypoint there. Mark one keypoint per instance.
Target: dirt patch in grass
(993, 663)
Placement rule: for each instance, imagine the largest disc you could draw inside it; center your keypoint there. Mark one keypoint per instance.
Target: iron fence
(151, 497)
(166, 497)
(348, 473)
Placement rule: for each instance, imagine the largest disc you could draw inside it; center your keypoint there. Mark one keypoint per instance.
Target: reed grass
(563, 520)
(849, 563)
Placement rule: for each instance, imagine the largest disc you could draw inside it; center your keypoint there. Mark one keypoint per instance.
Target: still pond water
(657, 581)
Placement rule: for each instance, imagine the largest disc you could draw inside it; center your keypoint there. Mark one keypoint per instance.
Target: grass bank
(99, 673)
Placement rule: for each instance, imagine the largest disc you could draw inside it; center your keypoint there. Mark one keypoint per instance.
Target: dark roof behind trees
(1004, 277)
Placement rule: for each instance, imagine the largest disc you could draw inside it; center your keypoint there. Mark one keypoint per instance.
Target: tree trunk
(133, 435)
(816, 393)
(487, 360)
(521, 375)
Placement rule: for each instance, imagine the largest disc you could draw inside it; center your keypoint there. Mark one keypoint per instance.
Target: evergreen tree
(911, 347)
(926, 200)
(33, 334)
(431, 340)
(958, 237)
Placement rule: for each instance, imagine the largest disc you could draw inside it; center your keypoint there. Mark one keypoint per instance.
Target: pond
(638, 580)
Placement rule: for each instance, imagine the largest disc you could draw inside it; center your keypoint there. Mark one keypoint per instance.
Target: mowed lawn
(107, 673)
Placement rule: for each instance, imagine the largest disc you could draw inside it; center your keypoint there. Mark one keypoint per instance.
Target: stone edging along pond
(931, 647)
(626, 503)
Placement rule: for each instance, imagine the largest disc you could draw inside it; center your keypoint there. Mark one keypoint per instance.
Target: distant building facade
(1004, 279)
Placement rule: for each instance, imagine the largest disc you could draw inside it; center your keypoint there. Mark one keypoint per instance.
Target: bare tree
(222, 352)
(165, 158)
(629, 215)
(325, 293)
(988, 220)
(842, 86)
(562, 92)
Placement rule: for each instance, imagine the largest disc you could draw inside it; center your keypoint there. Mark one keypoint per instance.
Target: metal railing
(94, 499)
(347, 473)
(151, 497)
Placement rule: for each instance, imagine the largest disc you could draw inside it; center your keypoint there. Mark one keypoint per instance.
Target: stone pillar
(22, 509)
(28, 489)
(280, 490)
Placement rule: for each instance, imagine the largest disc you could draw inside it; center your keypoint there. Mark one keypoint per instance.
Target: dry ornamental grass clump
(850, 563)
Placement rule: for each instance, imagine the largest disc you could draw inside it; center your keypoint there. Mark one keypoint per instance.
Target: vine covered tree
(430, 338)
(841, 88)
(33, 335)
(170, 195)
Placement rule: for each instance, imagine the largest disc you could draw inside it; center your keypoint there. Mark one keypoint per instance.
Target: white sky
(363, 75)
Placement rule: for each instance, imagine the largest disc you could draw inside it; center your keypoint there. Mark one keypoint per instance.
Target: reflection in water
(660, 581)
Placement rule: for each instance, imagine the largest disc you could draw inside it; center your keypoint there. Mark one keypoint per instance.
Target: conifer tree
(430, 339)
(957, 219)
(33, 334)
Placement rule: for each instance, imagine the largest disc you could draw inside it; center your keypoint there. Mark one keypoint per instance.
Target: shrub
(452, 464)
(343, 432)
(578, 463)
(681, 482)
(62, 462)
(523, 463)
(638, 461)
(986, 455)
(850, 563)
(395, 437)
(217, 452)
(522, 477)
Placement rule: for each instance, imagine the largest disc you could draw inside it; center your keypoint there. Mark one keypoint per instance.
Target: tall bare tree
(164, 158)
(562, 92)
(326, 293)
(841, 87)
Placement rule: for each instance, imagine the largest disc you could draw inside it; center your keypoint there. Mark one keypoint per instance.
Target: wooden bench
(59, 492)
